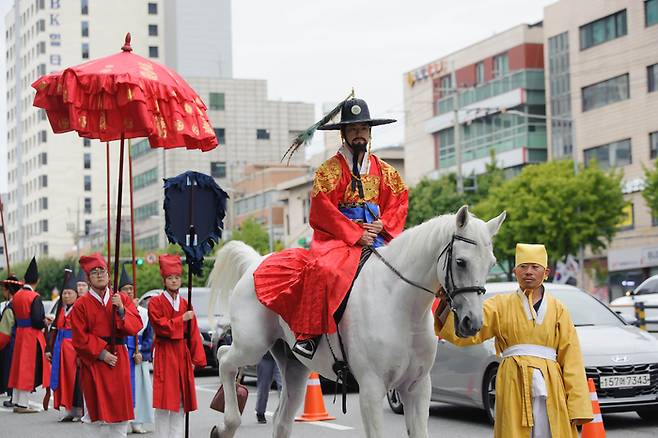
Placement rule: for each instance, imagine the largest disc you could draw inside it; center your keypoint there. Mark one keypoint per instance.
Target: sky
(313, 51)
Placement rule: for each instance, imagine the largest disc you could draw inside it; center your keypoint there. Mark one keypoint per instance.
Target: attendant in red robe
(358, 200)
(176, 349)
(104, 371)
(64, 369)
(29, 366)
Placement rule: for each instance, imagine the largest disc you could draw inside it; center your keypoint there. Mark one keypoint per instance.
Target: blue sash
(24, 323)
(57, 356)
(364, 212)
(132, 347)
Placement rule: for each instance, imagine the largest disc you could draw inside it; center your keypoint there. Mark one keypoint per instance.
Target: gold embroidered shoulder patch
(327, 176)
(392, 178)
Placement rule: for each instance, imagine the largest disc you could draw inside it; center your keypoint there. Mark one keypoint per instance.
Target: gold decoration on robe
(82, 120)
(370, 190)
(64, 123)
(327, 176)
(392, 178)
(42, 85)
(128, 123)
(146, 70)
(102, 123)
(195, 129)
(188, 108)
(179, 125)
(130, 94)
(207, 128)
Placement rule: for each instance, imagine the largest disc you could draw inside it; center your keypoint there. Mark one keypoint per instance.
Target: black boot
(306, 347)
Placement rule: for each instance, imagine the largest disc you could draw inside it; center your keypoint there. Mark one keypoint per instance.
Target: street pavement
(445, 420)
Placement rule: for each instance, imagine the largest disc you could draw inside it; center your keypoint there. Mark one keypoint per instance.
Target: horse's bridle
(451, 291)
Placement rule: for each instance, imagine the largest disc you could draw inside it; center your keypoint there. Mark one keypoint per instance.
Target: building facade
(251, 130)
(602, 99)
(57, 183)
(493, 91)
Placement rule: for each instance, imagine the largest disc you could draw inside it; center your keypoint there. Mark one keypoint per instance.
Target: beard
(359, 145)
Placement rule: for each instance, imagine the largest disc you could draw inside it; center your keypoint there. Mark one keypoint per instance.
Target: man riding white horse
(358, 201)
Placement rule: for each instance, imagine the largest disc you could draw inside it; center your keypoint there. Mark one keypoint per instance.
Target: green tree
(546, 203)
(650, 192)
(253, 234)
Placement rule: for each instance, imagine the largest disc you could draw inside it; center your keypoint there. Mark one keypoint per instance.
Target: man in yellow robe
(541, 389)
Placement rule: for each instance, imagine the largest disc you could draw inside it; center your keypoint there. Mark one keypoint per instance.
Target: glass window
(609, 155)
(43, 136)
(41, 48)
(145, 178)
(87, 205)
(41, 4)
(445, 85)
(85, 50)
(43, 158)
(87, 183)
(145, 211)
(479, 73)
(262, 134)
(216, 101)
(153, 51)
(43, 203)
(220, 133)
(218, 169)
(153, 8)
(41, 69)
(500, 65)
(650, 12)
(86, 142)
(653, 145)
(87, 160)
(88, 227)
(652, 78)
(85, 28)
(602, 30)
(84, 7)
(140, 148)
(43, 225)
(605, 92)
(153, 30)
(150, 242)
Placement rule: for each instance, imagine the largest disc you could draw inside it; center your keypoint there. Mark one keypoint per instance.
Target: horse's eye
(461, 263)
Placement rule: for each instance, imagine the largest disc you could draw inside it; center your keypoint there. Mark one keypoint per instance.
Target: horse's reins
(451, 291)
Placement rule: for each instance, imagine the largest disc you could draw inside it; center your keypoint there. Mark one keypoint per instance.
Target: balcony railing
(526, 79)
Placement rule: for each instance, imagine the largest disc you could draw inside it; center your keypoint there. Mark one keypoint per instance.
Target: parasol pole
(117, 244)
(132, 216)
(192, 241)
(107, 178)
(4, 234)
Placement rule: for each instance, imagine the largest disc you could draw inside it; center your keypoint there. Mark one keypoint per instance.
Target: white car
(647, 293)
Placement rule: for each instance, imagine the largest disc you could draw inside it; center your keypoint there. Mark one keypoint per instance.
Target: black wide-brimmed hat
(352, 112)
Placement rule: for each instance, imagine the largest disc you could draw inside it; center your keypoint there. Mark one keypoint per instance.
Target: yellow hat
(531, 253)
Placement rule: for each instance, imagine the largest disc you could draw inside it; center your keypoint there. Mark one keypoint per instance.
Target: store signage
(425, 72)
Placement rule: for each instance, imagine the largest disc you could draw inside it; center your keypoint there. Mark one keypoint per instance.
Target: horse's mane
(426, 239)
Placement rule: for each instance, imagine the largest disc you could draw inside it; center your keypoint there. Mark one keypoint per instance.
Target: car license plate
(625, 381)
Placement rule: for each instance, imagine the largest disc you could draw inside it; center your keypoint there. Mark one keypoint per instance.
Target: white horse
(387, 327)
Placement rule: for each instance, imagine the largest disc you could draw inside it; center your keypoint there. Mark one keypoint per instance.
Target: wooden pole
(109, 215)
(132, 216)
(4, 235)
(117, 245)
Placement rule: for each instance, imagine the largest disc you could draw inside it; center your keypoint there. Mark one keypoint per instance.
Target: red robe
(29, 366)
(106, 390)
(173, 374)
(306, 287)
(63, 395)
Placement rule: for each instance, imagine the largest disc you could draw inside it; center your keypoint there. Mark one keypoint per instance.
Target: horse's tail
(231, 262)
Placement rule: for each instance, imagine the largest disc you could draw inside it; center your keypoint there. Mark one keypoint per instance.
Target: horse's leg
(416, 401)
(295, 376)
(371, 394)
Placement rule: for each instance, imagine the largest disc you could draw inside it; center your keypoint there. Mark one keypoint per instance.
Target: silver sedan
(622, 360)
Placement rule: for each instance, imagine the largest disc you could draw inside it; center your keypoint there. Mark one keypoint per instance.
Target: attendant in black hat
(358, 201)
(29, 366)
(81, 283)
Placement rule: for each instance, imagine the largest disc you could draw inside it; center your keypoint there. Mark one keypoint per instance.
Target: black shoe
(306, 348)
(261, 418)
(8, 404)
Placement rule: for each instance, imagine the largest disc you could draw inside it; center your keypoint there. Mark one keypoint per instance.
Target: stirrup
(306, 348)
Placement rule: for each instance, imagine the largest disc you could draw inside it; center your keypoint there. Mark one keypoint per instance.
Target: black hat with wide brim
(355, 111)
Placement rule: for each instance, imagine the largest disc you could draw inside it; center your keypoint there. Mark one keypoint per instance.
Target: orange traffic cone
(594, 429)
(314, 409)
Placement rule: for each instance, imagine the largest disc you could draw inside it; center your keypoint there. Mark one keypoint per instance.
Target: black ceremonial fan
(195, 207)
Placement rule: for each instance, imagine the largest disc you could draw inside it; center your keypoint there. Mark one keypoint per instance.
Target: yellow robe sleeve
(489, 326)
(570, 359)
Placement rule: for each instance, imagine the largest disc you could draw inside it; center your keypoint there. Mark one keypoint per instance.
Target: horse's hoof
(214, 433)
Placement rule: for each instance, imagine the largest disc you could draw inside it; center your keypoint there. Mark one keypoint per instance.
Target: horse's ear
(462, 216)
(494, 224)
